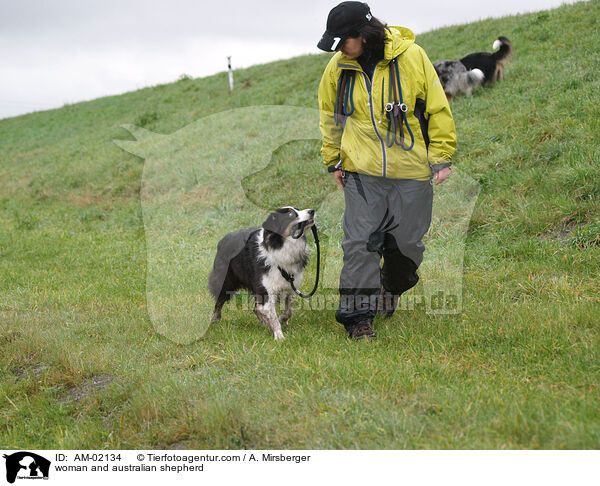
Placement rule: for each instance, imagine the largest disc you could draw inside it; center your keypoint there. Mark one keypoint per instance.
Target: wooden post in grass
(230, 74)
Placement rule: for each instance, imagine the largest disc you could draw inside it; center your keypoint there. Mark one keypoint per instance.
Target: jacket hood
(397, 40)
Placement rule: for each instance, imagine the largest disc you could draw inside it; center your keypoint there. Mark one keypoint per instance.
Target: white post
(230, 74)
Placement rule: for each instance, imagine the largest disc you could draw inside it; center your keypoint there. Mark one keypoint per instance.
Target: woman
(387, 134)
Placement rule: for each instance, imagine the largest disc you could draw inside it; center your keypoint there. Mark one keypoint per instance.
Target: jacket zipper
(369, 87)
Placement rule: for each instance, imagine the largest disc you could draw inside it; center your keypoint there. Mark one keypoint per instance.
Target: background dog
(456, 79)
(491, 63)
(250, 259)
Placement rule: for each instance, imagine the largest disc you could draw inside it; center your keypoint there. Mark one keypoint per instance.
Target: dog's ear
(278, 221)
(272, 222)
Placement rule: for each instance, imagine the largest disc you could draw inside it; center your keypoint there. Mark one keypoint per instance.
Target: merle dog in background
(456, 79)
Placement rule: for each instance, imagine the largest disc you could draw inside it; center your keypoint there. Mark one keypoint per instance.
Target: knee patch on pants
(398, 273)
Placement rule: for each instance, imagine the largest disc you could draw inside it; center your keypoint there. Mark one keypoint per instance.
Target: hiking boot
(387, 303)
(362, 330)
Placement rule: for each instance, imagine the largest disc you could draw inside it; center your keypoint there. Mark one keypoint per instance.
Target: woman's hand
(441, 175)
(337, 175)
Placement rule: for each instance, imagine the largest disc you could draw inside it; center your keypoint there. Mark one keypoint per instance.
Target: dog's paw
(278, 335)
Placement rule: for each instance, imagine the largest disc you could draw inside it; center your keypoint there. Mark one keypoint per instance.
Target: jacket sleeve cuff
(437, 167)
(335, 167)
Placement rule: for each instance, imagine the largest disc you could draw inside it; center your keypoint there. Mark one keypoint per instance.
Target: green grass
(83, 366)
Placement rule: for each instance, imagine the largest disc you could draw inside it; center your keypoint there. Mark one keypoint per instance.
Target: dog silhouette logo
(26, 465)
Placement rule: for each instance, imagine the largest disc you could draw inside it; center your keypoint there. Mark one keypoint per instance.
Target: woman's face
(353, 47)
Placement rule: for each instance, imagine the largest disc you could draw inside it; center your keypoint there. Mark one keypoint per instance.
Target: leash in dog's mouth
(298, 229)
(290, 278)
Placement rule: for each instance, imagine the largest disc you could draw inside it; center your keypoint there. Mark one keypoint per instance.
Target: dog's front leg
(274, 323)
(260, 313)
(267, 313)
(289, 309)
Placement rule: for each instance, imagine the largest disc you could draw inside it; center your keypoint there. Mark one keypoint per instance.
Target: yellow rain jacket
(362, 141)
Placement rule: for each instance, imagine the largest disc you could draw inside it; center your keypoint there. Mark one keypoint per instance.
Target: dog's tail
(476, 77)
(215, 283)
(505, 49)
(471, 79)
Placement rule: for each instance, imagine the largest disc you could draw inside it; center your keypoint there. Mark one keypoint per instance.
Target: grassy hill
(81, 363)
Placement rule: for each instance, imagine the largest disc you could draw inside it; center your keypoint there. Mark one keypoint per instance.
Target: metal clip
(389, 107)
(403, 107)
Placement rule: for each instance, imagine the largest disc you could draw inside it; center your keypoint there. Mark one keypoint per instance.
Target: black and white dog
(250, 259)
(456, 79)
(491, 63)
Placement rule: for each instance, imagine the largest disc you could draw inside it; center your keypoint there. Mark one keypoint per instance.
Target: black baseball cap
(343, 22)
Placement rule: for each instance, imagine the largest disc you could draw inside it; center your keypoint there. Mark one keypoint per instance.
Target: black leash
(290, 278)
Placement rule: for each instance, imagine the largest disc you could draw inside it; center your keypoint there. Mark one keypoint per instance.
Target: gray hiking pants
(383, 218)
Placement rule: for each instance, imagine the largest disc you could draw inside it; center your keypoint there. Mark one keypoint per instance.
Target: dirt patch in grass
(181, 445)
(21, 372)
(76, 393)
(39, 369)
(560, 231)
(579, 233)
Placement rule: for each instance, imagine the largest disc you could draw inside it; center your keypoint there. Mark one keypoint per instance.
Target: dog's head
(289, 222)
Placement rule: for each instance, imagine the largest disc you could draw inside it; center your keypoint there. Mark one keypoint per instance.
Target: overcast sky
(54, 52)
